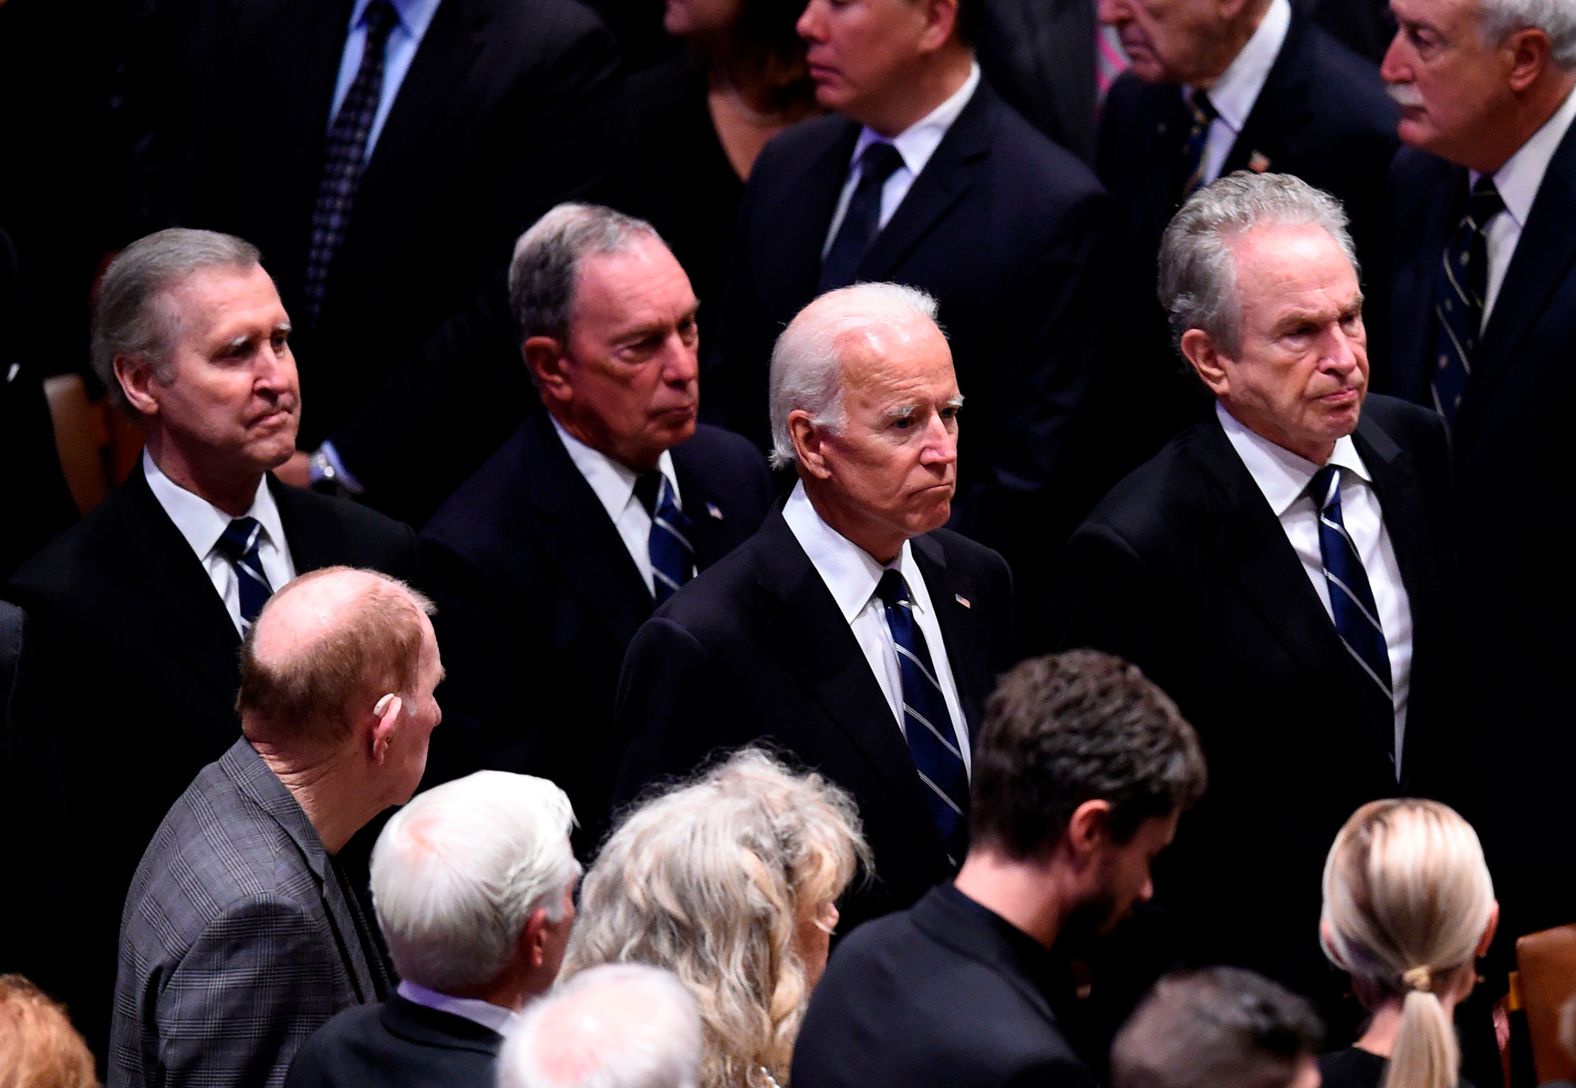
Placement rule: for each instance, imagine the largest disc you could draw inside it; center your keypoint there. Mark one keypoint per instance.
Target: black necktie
(672, 555)
(345, 155)
(1200, 114)
(1351, 598)
(927, 726)
(239, 544)
(1459, 289)
(862, 218)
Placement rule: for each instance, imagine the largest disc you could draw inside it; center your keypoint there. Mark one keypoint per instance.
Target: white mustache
(1406, 94)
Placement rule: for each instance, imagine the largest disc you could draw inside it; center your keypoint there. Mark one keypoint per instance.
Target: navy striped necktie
(239, 544)
(1460, 287)
(1351, 599)
(927, 726)
(672, 555)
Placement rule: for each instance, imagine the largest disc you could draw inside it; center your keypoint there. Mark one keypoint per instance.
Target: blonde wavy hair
(709, 880)
(1407, 902)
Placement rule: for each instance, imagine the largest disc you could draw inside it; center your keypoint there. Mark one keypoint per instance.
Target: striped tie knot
(239, 542)
(1460, 291)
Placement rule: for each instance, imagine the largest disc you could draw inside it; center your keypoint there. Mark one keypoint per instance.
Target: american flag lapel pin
(711, 508)
(1258, 162)
(961, 599)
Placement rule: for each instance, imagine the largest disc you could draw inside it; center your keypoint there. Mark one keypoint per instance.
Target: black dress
(1358, 1068)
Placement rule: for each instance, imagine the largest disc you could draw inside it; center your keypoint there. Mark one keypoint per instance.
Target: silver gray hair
(807, 359)
(459, 871)
(545, 271)
(1198, 265)
(1556, 18)
(131, 316)
(624, 1025)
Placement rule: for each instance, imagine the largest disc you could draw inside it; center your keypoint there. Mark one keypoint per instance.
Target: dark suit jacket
(238, 939)
(1040, 55)
(399, 1044)
(538, 599)
(1185, 571)
(502, 114)
(1322, 115)
(140, 665)
(1510, 449)
(1008, 232)
(945, 994)
(755, 649)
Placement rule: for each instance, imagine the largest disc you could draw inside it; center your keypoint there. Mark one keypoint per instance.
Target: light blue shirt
(414, 18)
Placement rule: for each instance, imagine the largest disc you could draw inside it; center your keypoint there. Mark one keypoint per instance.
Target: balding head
(325, 651)
(616, 1026)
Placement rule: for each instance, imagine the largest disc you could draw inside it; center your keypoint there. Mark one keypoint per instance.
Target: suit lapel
(1438, 203)
(940, 185)
(811, 635)
(810, 196)
(1280, 113)
(578, 537)
(708, 515)
(159, 562)
(961, 629)
(1545, 252)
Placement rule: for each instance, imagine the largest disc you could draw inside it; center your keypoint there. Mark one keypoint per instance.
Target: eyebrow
(900, 412)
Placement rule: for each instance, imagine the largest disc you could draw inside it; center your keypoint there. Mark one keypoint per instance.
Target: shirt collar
(485, 1013)
(200, 521)
(1519, 179)
(613, 481)
(1238, 87)
(414, 15)
(847, 569)
(917, 143)
(1281, 475)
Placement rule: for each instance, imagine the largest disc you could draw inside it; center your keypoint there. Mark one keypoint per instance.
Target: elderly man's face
(1168, 41)
(228, 402)
(1454, 90)
(864, 56)
(892, 466)
(629, 375)
(1300, 373)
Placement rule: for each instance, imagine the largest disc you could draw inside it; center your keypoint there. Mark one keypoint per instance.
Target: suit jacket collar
(948, 175)
(578, 538)
(1284, 109)
(1253, 547)
(1543, 257)
(952, 919)
(1436, 194)
(254, 780)
(435, 1028)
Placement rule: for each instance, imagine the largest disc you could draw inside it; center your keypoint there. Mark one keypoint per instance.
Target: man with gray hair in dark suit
(241, 934)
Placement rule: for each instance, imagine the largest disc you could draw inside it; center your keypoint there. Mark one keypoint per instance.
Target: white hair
(1556, 18)
(459, 871)
(807, 359)
(623, 1025)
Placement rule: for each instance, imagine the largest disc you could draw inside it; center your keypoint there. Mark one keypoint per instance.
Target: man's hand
(297, 471)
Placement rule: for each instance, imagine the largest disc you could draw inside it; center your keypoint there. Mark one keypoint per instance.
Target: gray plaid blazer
(238, 939)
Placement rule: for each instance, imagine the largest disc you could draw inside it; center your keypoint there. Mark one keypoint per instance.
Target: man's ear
(1199, 349)
(136, 379)
(533, 938)
(1529, 51)
(1088, 827)
(941, 19)
(385, 723)
(808, 439)
(544, 357)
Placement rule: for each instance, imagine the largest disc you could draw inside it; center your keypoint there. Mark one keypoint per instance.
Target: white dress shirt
(1283, 477)
(851, 576)
(485, 1013)
(1518, 182)
(915, 145)
(1238, 87)
(413, 18)
(614, 485)
(202, 523)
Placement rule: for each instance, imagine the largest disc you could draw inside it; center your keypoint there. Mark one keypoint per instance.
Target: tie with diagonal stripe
(927, 726)
(1351, 598)
(345, 156)
(672, 555)
(239, 544)
(1201, 113)
(1459, 290)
